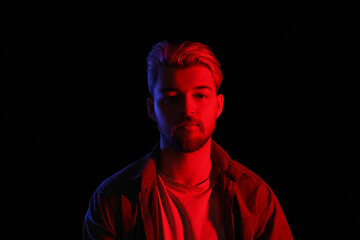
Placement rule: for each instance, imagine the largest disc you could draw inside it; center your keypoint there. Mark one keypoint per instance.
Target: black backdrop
(75, 100)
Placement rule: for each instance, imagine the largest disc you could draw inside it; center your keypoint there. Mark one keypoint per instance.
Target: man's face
(185, 106)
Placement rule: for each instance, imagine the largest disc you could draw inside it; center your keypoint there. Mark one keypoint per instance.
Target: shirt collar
(219, 156)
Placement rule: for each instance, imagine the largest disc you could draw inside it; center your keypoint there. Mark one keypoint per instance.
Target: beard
(185, 139)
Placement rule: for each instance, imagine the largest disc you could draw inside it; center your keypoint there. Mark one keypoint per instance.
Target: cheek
(164, 115)
(209, 114)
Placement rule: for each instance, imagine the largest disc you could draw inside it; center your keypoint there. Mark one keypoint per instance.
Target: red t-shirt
(189, 212)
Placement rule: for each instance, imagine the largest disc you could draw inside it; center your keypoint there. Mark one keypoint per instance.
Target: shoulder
(232, 169)
(121, 180)
(241, 175)
(251, 188)
(258, 205)
(113, 198)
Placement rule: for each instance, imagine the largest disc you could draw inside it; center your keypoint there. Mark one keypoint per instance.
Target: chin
(189, 145)
(186, 142)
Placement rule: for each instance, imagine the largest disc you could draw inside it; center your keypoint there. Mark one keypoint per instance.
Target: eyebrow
(203, 87)
(170, 89)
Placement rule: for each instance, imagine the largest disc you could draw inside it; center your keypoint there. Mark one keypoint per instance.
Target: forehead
(184, 79)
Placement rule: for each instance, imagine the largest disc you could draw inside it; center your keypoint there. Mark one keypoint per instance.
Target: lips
(184, 125)
(188, 127)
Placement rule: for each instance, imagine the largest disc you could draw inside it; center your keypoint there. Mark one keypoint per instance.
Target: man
(187, 187)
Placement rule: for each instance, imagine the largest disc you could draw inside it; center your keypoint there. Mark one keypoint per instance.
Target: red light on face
(186, 106)
(188, 127)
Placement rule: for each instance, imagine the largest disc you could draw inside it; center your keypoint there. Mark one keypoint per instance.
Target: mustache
(188, 120)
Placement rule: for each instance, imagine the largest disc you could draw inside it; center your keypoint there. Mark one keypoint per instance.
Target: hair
(165, 54)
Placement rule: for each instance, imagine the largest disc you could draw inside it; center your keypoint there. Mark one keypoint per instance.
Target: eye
(200, 96)
(169, 98)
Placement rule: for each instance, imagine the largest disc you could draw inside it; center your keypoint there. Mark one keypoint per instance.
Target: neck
(186, 168)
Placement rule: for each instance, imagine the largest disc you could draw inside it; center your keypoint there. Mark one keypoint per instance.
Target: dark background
(75, 95)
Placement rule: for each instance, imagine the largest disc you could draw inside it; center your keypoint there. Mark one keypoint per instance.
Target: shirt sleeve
(99, 219)
(272, 224)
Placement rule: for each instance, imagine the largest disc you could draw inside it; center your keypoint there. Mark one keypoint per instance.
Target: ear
(220, 104)
(150, 108)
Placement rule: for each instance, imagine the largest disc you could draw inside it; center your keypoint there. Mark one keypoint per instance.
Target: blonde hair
(181, 55)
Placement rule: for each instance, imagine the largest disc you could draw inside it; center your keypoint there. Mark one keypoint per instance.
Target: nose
(188, 107)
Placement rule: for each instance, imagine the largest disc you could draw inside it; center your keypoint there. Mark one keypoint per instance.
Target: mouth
(187, 125)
